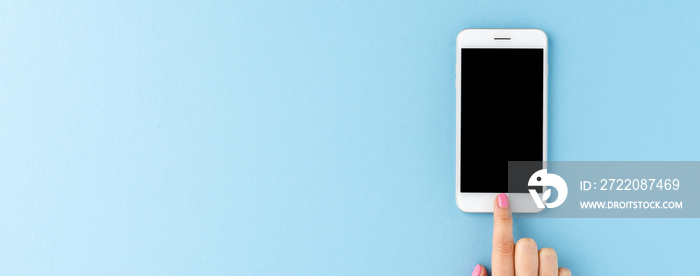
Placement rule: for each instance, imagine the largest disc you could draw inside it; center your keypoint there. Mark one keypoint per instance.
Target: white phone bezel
(485, 38)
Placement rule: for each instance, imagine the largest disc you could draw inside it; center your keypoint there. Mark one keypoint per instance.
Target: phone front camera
(539, 178)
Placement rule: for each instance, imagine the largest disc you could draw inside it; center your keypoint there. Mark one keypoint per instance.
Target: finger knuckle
(526, 242)
(505, 247)
(548, 254)
(503, 217)
(503, 220)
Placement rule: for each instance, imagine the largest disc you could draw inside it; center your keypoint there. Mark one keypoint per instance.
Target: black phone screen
(502, 118)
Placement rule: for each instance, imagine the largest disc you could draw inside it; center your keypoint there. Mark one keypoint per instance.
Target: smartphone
(501, 80)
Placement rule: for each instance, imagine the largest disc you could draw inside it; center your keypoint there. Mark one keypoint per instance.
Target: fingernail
(502, 200)
(477, 271)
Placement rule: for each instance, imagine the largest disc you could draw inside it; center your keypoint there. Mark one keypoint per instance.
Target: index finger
(502, 263)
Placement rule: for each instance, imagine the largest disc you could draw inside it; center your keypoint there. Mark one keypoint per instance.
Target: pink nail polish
(477, 271)
(502, 200)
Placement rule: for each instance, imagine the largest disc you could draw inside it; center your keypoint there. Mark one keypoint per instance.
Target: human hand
(521, 259)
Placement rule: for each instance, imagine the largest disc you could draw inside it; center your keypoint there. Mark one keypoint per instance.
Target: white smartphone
(501, 116)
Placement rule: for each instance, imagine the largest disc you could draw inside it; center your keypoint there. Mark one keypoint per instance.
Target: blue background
(275, 137)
